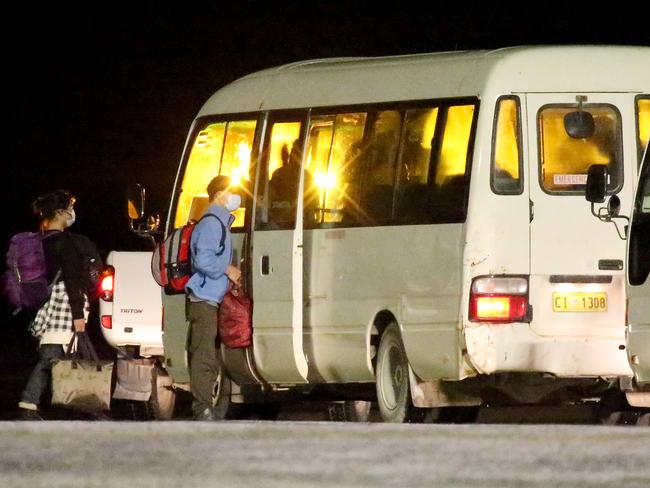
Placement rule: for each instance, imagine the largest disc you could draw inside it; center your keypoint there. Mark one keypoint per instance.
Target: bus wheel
(349, 411)
(392, 379)
(222, 406)
(163, 397)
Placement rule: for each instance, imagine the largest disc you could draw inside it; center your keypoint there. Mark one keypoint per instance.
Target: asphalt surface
(320, 454)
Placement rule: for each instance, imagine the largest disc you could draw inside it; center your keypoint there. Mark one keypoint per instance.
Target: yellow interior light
(644, 124)
(453, 153)
(429, 129)
(325, 181)
(506, 146)
(493, 307)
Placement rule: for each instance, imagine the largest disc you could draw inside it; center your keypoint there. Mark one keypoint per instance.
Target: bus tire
(163, 397)
(392, 379)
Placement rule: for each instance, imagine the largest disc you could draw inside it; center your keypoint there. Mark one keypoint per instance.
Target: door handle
(265, 266)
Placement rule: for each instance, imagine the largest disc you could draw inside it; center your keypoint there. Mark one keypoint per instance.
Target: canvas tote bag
(80, 380)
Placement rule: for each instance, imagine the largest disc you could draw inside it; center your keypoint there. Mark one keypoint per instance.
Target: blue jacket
(209, 281)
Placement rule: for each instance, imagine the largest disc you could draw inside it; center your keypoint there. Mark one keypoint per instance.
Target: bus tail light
(499, 299)
(107, 284)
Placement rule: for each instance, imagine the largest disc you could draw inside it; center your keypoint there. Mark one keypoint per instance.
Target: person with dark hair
(283, 188)
(211, 256)
(66, 310)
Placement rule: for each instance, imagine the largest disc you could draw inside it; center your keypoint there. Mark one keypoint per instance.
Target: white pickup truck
(131, 317)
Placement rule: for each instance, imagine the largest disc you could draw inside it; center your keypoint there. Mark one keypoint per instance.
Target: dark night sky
(97, 96)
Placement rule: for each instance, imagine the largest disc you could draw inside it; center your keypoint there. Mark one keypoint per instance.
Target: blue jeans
(40, 377)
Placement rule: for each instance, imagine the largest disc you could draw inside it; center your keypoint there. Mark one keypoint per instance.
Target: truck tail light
(499, 299)
(107, 284)
(107, 321)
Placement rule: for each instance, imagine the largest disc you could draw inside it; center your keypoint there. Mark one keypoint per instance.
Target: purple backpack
(24, 283)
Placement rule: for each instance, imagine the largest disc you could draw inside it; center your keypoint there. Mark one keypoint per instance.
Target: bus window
(565, 161)
(506, 178)
(330, 167)
(236, 161)
(202, 166)
(414, 164)
(209, 157)
(455, 144)
(642, 123)
(379, 157)
(447, 201)
(279, 194)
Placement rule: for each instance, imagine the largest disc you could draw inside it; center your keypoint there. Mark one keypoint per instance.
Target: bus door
(576, 261)
(638, 267)
(277, 253)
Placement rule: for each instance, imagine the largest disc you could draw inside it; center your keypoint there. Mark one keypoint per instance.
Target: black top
(62, 254)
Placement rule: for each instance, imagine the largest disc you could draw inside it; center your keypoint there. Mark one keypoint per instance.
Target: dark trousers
(204, 367)
(40, 377)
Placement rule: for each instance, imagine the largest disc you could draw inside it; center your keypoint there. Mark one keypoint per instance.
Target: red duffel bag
(235, 318)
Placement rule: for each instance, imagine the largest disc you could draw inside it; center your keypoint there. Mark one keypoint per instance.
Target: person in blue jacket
(211, 271)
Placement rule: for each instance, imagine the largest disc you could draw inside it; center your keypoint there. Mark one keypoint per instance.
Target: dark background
(97, 96)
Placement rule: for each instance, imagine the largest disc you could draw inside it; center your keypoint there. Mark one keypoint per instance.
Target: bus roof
(351, 81)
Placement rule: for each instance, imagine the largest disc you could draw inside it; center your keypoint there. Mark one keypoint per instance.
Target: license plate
(580, 302)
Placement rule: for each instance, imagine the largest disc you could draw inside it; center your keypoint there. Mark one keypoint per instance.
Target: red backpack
(171, 263)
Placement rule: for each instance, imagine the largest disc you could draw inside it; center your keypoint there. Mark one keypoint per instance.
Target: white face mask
(233, 202)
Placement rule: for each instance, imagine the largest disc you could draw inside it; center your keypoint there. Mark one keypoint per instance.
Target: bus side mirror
(596, 183)
(579, 124)
(136, 196)
(596, 192)
(614, 206)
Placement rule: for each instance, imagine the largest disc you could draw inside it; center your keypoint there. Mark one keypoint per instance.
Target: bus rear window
(565, 160)
(218, 148)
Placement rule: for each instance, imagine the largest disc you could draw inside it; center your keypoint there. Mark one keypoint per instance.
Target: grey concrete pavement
(320, 454)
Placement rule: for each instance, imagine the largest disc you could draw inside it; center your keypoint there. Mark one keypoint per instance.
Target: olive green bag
(81, 381)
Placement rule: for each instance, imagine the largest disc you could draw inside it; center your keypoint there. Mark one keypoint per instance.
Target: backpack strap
(222, 241)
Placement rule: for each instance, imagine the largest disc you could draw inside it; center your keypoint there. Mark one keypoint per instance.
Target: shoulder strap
(222, 242)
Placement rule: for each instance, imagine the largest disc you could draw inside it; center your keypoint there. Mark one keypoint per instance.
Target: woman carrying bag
(66, 310)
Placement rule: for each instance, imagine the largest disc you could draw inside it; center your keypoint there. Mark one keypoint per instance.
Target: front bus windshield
(219, 148)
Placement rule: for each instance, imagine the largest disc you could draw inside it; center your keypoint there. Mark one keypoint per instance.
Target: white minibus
(414, 230)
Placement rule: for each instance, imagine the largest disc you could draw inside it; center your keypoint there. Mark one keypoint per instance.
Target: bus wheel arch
(379, 325)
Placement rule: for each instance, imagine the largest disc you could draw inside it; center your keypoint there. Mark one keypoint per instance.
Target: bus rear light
(499, 299)
(107, 321)
(107, 284)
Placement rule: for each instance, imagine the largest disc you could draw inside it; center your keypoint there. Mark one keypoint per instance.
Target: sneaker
(205, 415)
(30, 415)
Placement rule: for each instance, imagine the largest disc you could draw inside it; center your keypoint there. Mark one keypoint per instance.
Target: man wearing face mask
(67, 307)
(212, 270)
